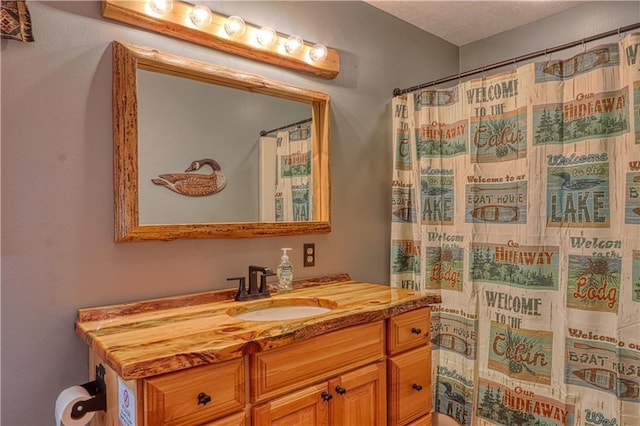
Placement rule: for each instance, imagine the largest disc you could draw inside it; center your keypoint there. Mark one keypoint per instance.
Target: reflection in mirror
(182, 120)
(190, 159)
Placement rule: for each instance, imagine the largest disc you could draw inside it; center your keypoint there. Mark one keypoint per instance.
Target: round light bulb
(234, 26)
(318, 52)
(266, 36)
(200, 15)
(161, 7)
(293, 44)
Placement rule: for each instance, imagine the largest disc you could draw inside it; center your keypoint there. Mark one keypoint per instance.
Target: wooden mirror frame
(127, 60)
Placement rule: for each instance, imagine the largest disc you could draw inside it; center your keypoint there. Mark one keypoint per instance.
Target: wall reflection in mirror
(183, 120)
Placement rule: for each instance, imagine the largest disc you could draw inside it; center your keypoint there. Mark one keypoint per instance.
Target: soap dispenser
(285, 273)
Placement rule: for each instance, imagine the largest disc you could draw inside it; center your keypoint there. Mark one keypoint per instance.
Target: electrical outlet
(309, 254)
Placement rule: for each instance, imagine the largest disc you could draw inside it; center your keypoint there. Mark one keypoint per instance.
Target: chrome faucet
(254, 291)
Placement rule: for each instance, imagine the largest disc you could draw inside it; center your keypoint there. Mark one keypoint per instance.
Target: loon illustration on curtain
(286, 185)
(517, 197)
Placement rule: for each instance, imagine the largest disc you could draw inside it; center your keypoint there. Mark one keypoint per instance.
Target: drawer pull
(326, 396)
(203, 398)
(416, 330)
(417, 387)
(341, 390)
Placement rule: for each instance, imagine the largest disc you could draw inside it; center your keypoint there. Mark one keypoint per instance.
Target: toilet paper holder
(97, 389)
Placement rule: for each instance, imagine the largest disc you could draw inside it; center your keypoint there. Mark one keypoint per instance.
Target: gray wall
(58, 253)
(588, 19)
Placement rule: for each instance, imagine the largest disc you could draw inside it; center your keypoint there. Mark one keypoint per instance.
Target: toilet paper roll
(64, 405)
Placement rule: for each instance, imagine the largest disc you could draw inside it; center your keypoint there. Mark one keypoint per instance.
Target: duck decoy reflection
(194, 184)
(577, 184)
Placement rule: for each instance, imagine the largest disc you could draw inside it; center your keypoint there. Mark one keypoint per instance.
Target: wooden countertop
(159, 336)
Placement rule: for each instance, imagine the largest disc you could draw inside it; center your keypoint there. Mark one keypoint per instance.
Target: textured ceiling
(463, 22)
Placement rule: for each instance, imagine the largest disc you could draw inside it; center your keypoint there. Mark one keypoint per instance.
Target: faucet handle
(242, 290)
(264, 288)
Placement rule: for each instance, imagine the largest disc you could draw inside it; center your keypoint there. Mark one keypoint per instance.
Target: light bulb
(266, 36)
(293, 44)
(161, 7)
(200, 15)
(234, 26)
(318, 52)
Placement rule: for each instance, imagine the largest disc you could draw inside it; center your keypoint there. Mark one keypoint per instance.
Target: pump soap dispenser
(285, 273)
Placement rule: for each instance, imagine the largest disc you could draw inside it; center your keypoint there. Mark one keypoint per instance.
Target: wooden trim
(127, 59)
(176, 24)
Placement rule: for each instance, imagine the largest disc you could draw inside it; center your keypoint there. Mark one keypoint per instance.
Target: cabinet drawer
(301, 408)
(175, 398)
(409, 377)
(281, 370)
(408, 330)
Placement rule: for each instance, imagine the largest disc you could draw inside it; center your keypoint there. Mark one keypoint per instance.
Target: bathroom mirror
(171, 112)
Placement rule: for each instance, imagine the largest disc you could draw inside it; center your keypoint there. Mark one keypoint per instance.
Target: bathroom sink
(282, 309)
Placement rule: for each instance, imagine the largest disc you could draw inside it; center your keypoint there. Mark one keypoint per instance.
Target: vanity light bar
(180, 21)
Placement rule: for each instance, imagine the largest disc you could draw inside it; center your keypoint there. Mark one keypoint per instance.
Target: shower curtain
(517, 197)
(286, 177)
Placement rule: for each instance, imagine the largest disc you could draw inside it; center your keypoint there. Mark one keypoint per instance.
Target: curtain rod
(297, 123)
(397, 92)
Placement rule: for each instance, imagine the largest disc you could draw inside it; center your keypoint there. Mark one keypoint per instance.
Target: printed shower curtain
(286, 175)
(517, 197)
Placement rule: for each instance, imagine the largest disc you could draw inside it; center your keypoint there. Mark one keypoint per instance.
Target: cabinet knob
(416, 330)
(417, 387)
(203, 398)
(341, 390)
(326, 396)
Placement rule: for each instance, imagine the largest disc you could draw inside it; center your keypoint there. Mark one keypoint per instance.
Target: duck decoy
(194, 184)
(577, 184)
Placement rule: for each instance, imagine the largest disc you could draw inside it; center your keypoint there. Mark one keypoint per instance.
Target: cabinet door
(409, 385)
(307, 407)
(359, 397)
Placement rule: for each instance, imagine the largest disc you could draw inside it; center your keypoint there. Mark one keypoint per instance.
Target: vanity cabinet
(367, 362)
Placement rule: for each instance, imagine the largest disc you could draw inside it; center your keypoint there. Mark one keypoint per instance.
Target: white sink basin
(281, 313)
(282, 309)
